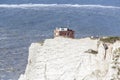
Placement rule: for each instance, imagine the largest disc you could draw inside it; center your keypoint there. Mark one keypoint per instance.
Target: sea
(23, 24)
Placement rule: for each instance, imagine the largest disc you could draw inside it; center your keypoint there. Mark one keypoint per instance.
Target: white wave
(54, 5)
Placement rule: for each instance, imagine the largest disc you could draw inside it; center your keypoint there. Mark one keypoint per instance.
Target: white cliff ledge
(71, 59)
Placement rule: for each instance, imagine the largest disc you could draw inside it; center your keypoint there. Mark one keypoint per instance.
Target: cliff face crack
(45, 75)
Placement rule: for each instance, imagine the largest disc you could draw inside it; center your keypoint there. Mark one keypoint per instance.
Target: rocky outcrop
(69, 59)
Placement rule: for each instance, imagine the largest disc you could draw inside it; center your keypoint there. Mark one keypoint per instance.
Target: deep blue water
(19, 27)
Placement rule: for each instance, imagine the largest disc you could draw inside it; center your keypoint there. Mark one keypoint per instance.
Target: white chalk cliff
(72, 59)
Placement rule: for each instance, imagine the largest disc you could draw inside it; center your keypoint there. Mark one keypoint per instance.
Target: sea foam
(55, 5)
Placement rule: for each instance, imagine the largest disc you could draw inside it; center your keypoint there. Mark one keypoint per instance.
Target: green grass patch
(41, 42)
(110, 39)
